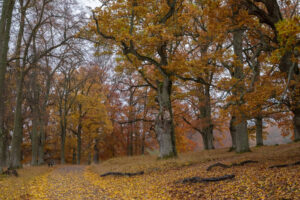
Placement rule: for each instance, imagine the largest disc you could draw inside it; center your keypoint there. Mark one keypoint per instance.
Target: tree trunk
(131, 128)
(3, 144)
(259, 131)
(89, 157)
(232, 129)
(62, 141)
(296, 122)
(4, 149)
(79, 147)
(74, 156)
(208, 139)
(242, 143)
(128, 142)
(79, 128)
(44, 121)
(130, 147)
(205, 117)
(295, 106)
(143, 143)
(18, 123)
(16, 151)
(5, 24)
(96, 152)
(164, 126)
(42, 138)
(137, 144)
(35, 137)
(112, 146)
(143, 125)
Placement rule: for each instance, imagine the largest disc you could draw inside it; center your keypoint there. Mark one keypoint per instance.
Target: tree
(147, 41)
(5, 24)
(67, 88)
(31, 57)
(283, 30)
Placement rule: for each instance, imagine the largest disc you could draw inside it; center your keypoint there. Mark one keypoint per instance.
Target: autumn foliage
(146, 77)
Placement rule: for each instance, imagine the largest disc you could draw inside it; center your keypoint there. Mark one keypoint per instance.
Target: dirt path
(64, 183)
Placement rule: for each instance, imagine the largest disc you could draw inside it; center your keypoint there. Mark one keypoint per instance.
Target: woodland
(135, 77)
(111, 102)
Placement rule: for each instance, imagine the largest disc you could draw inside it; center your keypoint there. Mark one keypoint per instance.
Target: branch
(196, 80)
(146, 79)
(195, 128)
(289, 80)
(135, 120)
(98, 29)
(128, 50)
(171, 11)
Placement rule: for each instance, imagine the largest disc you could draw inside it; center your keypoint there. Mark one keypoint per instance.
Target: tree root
(217, 165)
(285, 165)
(244, 163)
(232, 165)
(197, 179)
(122, 174)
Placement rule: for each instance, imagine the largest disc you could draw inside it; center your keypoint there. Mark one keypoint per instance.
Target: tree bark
(5, 24)
(96, 152)
(79, 147)
(74, 156)
(164, 126)
(79, 128)
(44, 118)
(18, 127)
(242, 143)
(208, 139)
(232, 128)
(35, 137)
(295, 104)
(131, 118)
(296, 122)
(4, 149)
(205, 116)
(42, 138)
(63, 126)
(143, 143)
(259, 131)
(16, 151)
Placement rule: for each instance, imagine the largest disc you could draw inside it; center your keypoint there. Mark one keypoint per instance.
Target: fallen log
(232, 165)
(122, 174)
(197, 179)
(284, 165)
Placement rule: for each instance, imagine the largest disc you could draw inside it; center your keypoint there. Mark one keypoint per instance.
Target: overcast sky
(90, 3)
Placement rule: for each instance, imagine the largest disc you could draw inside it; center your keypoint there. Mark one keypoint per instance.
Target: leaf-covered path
(65, 182)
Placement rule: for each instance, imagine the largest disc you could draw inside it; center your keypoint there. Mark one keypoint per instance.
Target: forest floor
(161, 179)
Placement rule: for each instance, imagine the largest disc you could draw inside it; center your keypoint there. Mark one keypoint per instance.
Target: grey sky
(90, 3)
